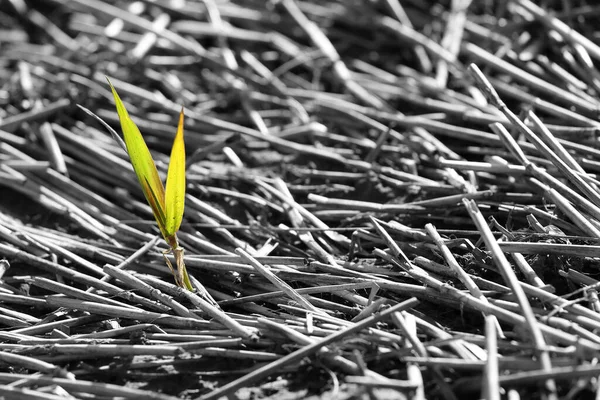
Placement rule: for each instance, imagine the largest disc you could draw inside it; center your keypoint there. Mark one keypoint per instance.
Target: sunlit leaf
(175, 191)
(142, 162)
(157, 208)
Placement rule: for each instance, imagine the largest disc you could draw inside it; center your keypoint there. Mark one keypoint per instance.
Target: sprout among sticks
(167, 205)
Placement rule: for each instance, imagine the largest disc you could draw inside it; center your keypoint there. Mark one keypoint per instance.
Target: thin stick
(281, 285)
(491, 387)
(461, 274)
(512, 281)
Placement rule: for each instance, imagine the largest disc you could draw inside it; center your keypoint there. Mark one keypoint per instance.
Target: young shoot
(168, 203)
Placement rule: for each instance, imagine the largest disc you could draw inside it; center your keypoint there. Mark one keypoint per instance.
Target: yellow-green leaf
(158, 209)
(175, 191)
(142, 163)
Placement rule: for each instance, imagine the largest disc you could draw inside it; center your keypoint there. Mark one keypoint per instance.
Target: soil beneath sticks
(385, 200)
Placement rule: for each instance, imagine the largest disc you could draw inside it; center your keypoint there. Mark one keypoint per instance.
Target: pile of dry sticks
(385, 199)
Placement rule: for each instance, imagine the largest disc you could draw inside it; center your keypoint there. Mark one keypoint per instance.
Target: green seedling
(167, 204)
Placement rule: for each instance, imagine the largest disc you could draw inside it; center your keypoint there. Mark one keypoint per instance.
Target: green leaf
(175, 192)
(142, 163)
